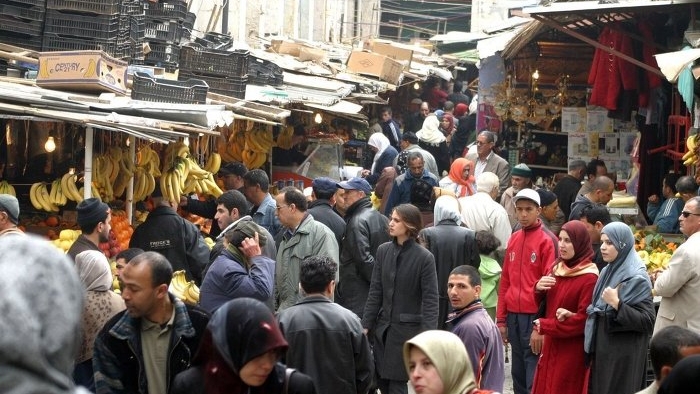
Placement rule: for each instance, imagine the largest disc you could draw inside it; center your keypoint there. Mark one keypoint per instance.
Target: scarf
(618, 274)
(94, 270)
(42, 299)
(379, 141)
(430, 132)
(449, 356)
(448, 130)
(455, 174)
(582, 261)
(447, 208)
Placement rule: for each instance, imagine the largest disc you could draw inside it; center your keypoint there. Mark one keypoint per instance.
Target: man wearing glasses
(488, 161)
(679, 284)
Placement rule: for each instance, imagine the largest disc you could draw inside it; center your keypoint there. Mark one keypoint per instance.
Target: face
(386, 116)
(340, 199)
(255, 372)
(283, 211)
(527, 212)
(232, 181)
(397, 227)
(549, 212)
(607, 250)
(424, 109)
(604, 196)
(423, 374)
(444, 123)
(466, 171)
(593, 230)
(691, 224)
(461, 293)
(120, 264)
(566, 248)
(416, 167)
(250, 192)
(139, 295)
(519, 183)
(483, 146)
(104, 227)
(352, 196)
(223, 217)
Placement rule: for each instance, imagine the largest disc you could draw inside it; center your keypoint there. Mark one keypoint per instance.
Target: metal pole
(87, 178)
(224, 18)
(130, 186)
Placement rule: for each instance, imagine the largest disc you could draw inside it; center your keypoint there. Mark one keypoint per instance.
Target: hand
(183, 201)
(364, 173)
(545, 283)
(610, 297)
(251, 246)
(655, 274)
(536, 342)
(563, 314)
(504, 334)
(365, 331)
(653, 199)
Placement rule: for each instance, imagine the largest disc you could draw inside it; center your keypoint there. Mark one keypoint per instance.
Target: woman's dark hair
(411, 217)
(486, 242)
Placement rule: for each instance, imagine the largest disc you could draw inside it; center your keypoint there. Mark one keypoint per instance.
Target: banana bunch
(70, 189)
(186, 177)
(213, 163)
(56, 196)
(258, 143)
(231, 148)
(149, 160)
(186, 291)
(145, 171)
(93, 190)
(40, 198)
(104, 173)
(126, 172)
(6, 188)
(144, 183)
(691, 156)
(284, 139)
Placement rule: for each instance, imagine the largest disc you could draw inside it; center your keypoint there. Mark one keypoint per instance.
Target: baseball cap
(356, 184)
(324, 185)
(527, 194)
(233, 168)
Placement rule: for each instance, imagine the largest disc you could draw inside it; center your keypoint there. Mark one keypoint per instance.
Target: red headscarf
(450, 119)
(581, 262)
(461, 109)
(456, 170)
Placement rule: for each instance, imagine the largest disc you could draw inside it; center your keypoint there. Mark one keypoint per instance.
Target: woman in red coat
(566, 292)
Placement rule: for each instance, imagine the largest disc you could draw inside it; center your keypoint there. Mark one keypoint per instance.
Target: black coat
(452, 246)
(323, 212)
(191, 381)
(567, 190)
(205, 209)
(366, 229)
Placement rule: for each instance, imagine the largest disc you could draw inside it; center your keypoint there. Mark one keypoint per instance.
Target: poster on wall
(609, 146)
(487, 118)
(573, 119)
(598, 121)
(620, 167)
(579, 145)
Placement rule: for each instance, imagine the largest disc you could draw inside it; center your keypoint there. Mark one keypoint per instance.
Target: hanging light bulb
(416, 86)
(536, 75)
(128, 141)
(71, 171)
(318, 118)
(8, 134)
(50, 145)
(186, 141)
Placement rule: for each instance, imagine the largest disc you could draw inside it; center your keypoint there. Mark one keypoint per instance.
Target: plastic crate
(20, 11)
(167, 10)
(196, 59)
(214, 40)
(104, 27)
(147, 88)
(32, 43)
(103, 7)
(3, 67)
(234, 87)
(163, 31)
(190, 18)
(25, 3)
(264, 72)
(168, 53)
(54, 42)
(12, 24)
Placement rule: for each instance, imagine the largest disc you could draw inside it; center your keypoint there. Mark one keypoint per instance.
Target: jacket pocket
(410, 318)
(667, 314)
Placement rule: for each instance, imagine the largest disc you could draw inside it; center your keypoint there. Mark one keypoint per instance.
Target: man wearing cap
(169, 234)
(10, 208)
(567, 188)
(457, 97)
(488, 161)
(95, 221)
(520, 178)
(409, 143)
(232, 175)
(552, 217)
(530, 254)
(366, 229)
(321, 206)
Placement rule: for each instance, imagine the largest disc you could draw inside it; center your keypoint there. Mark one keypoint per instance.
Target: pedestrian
(487, 160)
(620, 317)
(433, 140)
(256, 190)
(390, 128)
(95, 221)
(667, 347)
(684, 378)
(566, 293)
(520, 178)
(567, 188)
(384, 155)
(482, 212)
(403, 185)
(321, 206)
(403, 298)
(10, 207)
(489, 270)
(316, 322)
(240, 353)
(460, 180)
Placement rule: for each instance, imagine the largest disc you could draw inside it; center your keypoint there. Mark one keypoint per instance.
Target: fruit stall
(655, 249)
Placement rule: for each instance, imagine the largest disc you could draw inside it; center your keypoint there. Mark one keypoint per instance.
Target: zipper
(138, 360)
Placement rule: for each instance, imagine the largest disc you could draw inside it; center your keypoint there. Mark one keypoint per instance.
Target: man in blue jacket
(401, 190)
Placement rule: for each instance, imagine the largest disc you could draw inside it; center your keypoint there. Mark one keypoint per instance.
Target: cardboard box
(308, 53)
(402, 55)
(377, 65)
(286, 47)
(92, 71)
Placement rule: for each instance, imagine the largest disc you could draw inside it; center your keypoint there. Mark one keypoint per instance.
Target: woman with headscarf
(451, 245)
(240, 353)
(620, 316)
(41, 299)
(403, 296)
(101, 304)
(431, 139)
(384, 155)
(447, 126)
(562, 366)
(437, 363)
(460, 180)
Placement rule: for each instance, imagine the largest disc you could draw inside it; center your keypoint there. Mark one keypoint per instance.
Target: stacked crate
(226, 72)
(165, 30)
(22, 23)
(92, 25)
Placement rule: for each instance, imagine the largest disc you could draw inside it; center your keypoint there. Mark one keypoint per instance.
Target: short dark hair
(386, 110)
(411, 217)
(292, 195)
(670, 180)
(665, 346)
(486, 242)
(471, 272)
(234, 199)
(316, 272)
(595, 213)
(128, 254)
(592, 166)
(257, 177)
(457, 86)
(161, 270)
(686, 184)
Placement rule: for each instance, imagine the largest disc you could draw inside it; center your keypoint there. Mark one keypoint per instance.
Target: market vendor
(295, 155)
(664, 213)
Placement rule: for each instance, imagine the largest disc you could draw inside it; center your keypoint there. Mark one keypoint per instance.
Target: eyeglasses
(282, 206)
(479, 143)
(685, 214)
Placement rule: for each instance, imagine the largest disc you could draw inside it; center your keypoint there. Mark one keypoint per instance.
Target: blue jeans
(524, 360)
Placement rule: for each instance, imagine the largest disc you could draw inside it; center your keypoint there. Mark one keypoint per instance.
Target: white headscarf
(446, 207)
(379, 141)
(93, 270)
(430, 132)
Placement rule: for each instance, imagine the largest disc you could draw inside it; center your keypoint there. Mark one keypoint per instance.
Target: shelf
(546, 167)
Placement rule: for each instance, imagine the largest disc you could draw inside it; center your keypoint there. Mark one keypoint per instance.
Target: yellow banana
(91, 69)
(33, 196)
(213, 163)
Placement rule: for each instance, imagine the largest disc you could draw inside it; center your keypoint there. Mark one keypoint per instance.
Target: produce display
(692, 156)
(184, 176)
(186, 291)
(249, 146)
(654, 251)
(6, 188)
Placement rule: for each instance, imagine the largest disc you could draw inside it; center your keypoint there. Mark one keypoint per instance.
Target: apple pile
(110, 248)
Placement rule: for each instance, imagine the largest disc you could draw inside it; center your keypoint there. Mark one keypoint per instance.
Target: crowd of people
(332, 293)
